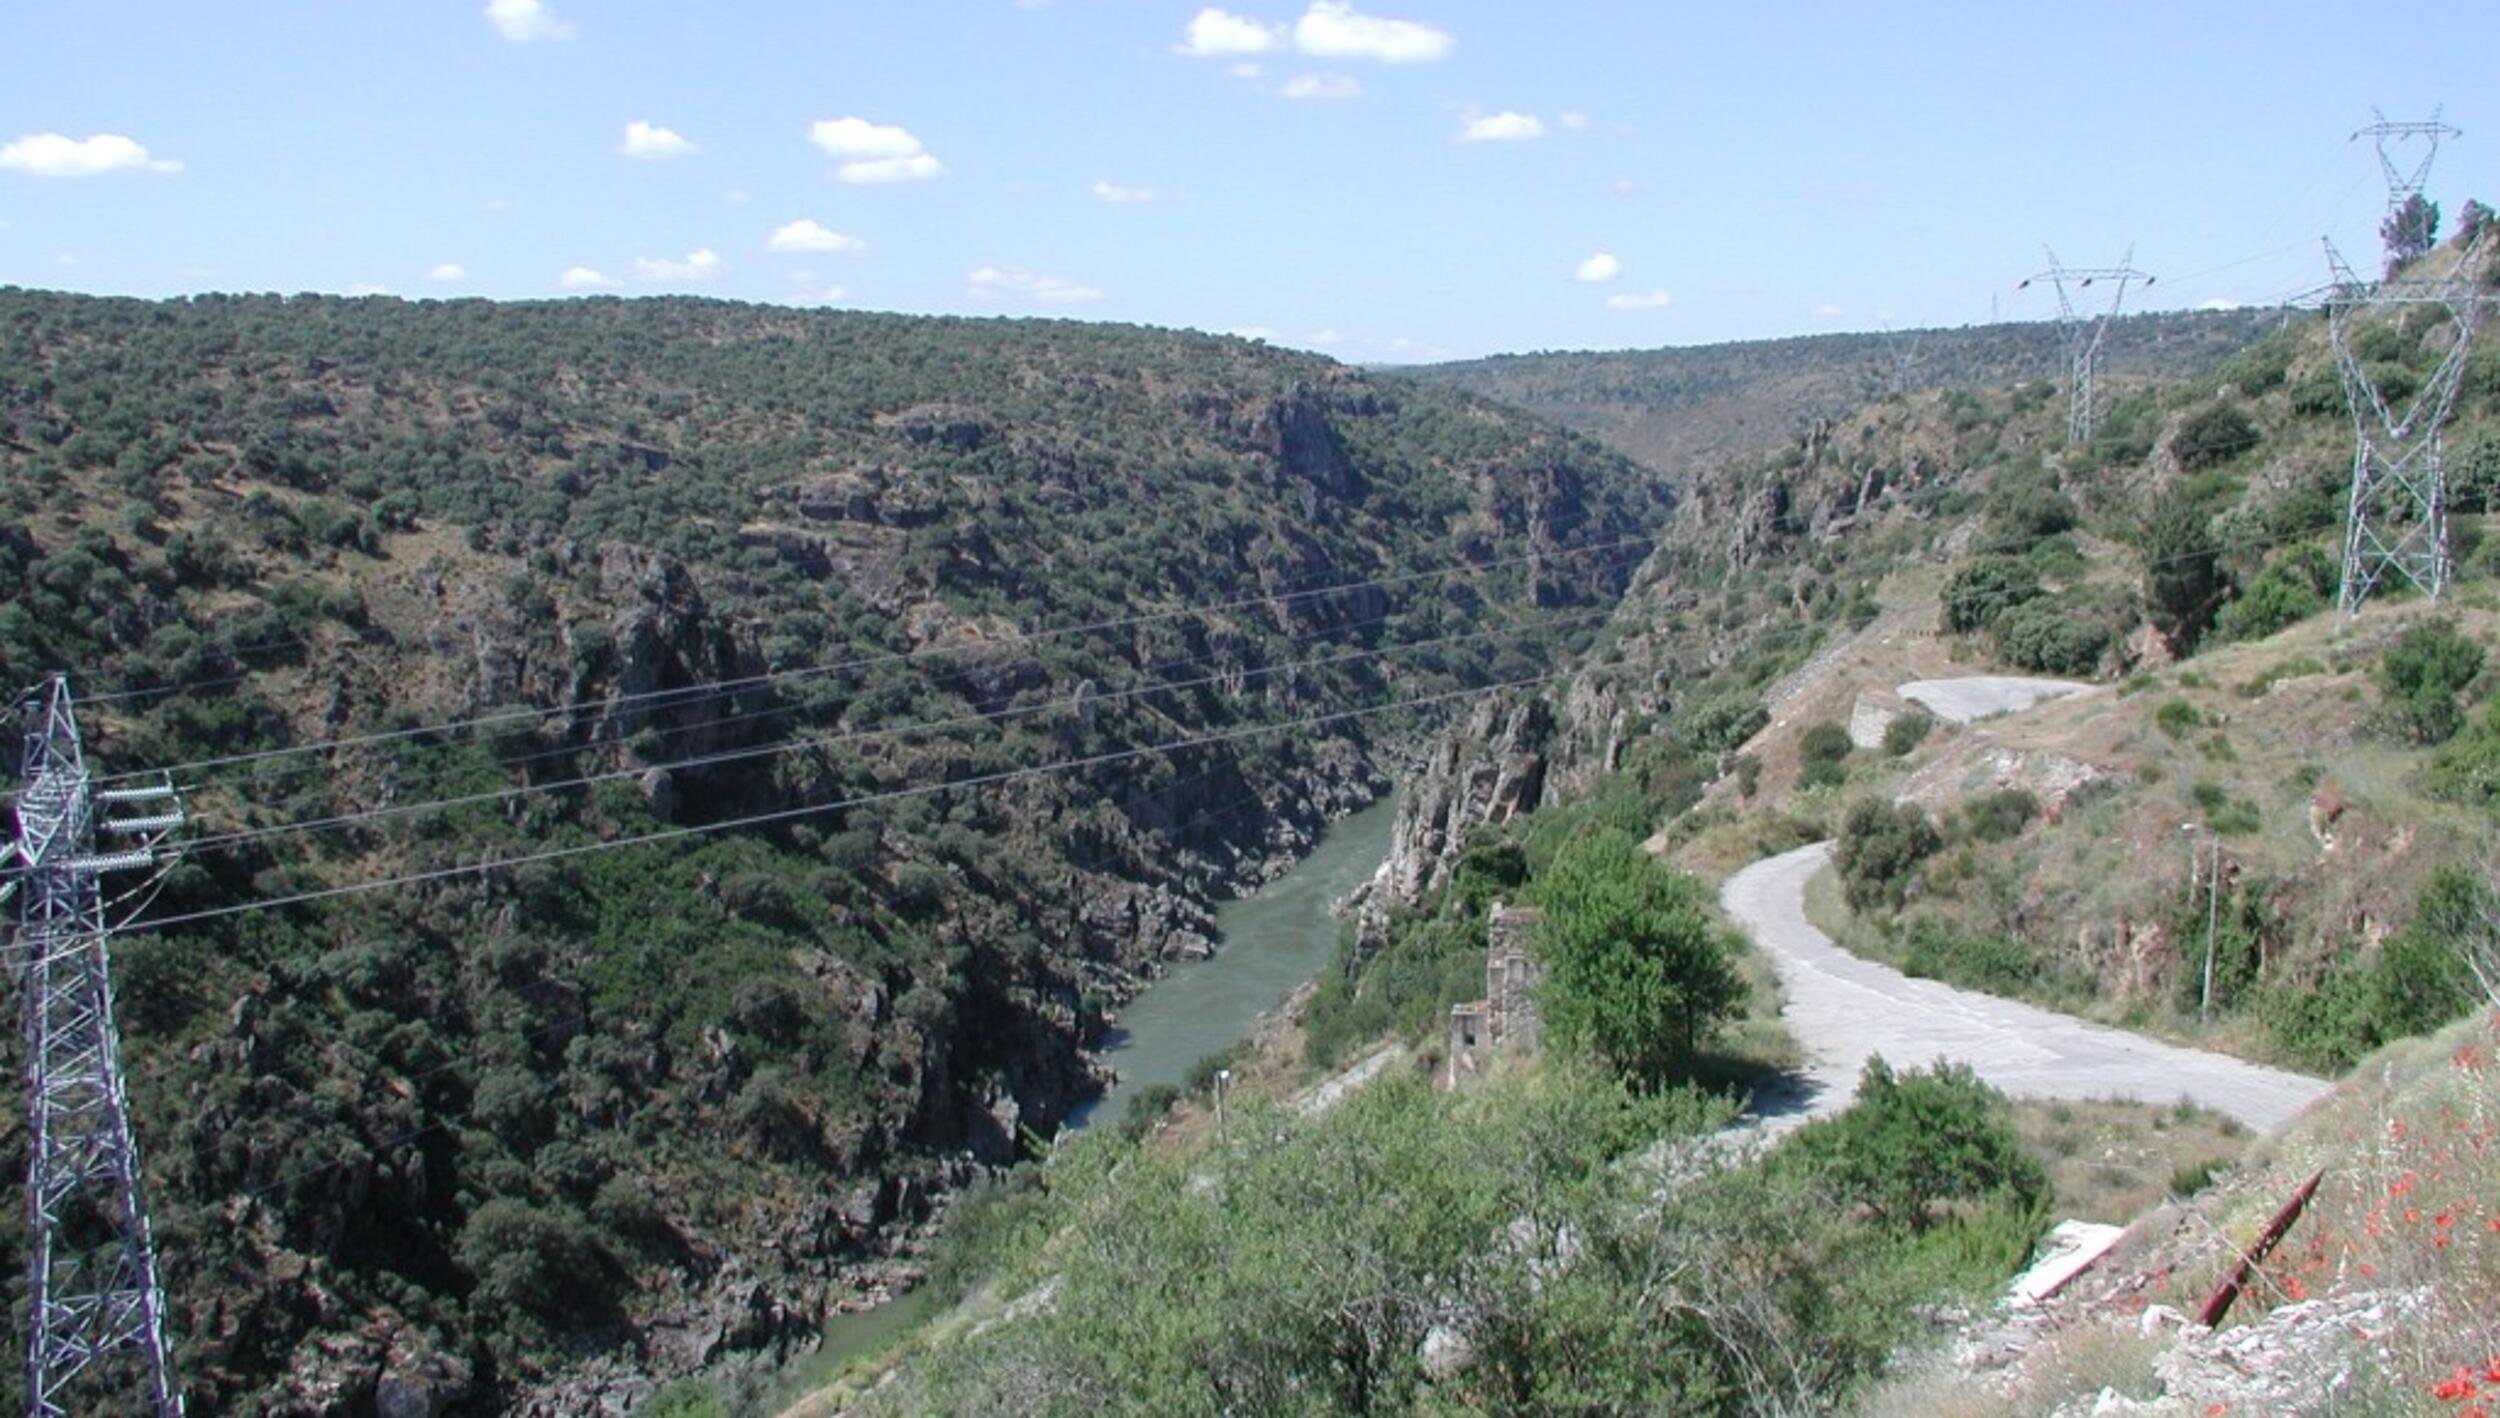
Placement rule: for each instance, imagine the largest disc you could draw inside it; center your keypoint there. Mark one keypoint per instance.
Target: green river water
(1271, 941)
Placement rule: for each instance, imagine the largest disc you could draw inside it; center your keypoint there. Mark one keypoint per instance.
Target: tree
(2183, 580)
(2471, 219)
(1636, 972)
(1977, 594)
(2410, 231)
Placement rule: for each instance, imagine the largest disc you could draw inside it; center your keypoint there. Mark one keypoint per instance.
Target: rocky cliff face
(531, 1138)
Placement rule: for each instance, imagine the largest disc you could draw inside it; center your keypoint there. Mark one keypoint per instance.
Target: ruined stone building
(1505, 1020)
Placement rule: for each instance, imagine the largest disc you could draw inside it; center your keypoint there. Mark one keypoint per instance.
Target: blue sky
(1382, 180)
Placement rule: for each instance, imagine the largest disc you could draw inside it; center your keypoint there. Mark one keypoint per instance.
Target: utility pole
(95, 1313)
(2084, 331)
(2213, 918)
(2397, 516)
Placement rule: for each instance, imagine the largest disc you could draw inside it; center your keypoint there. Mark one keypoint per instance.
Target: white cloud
(700, 265)
(448, 271)
(1647, 300)
(54, 155)
(1829, 311)
(1321, 86)
(1016, 284)
(527, 21)
(1120, 195)
(1625, 187)
(1251, 332)
(368, 288)
(1324, 337)
(584, 278)
(1502, 127)
(735, 196)
(873, 152)
(1333, 29)
(919, 168)
(806, 288)
(1213, 33)
(650, 142)
(1247, 69)
(1574, 119)
(2218, 303)
(806, 234)
(1600, 267)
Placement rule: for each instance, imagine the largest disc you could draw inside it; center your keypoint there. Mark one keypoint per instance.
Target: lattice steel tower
(95, 1314)
(2084, 332)
(2405, 183)
(2398, 517)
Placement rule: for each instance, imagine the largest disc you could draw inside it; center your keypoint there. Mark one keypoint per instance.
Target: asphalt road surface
(1843, 1009)
(1977, 696)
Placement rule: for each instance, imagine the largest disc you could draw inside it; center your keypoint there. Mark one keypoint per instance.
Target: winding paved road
(1843, 1008)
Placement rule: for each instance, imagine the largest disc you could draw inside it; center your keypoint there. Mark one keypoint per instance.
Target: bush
(1985, 589)
(2002, 815)
(2214, 434)
(1914, 1141)
(1991, 963)
(1907, 731)
(2292, 588)
(1880, 846)
(1724, 724)
(2178, 718)
(2466, 769)
(2049, 638)
(2423, 676)
(1825, 750)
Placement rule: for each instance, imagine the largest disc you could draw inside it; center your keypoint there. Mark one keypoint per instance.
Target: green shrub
(1984, 589)
(2002, 815)
(2423, 676)
(1880, 846)
(2050, 638)
(2466, 769)
(2292, 588)
(2178, 718)
(1914, 1142)
(1723, 725)
(1824, 749)
(2214, 434)
(1982, 962)
(1907, 731)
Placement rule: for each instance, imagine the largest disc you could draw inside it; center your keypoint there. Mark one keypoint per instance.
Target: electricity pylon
(2398, 517)
(2084, 332)
(2405, 183)
(95, 1313)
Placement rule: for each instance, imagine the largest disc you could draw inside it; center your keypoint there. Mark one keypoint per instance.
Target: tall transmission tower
(95, 1313)
(2398, 517)
(2084, 331)
(2404, 182)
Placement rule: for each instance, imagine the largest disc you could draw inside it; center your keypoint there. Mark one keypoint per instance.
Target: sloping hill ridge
(524, 1142)
(1676, 409)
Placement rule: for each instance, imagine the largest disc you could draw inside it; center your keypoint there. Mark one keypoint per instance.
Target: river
(1271, 941)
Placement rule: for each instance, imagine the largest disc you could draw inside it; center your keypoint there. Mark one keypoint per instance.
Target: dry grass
(2111, 1160)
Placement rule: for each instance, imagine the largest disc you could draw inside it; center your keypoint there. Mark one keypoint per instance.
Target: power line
(709, 689)
(814, 809)
(229, 840)
(570, 750)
